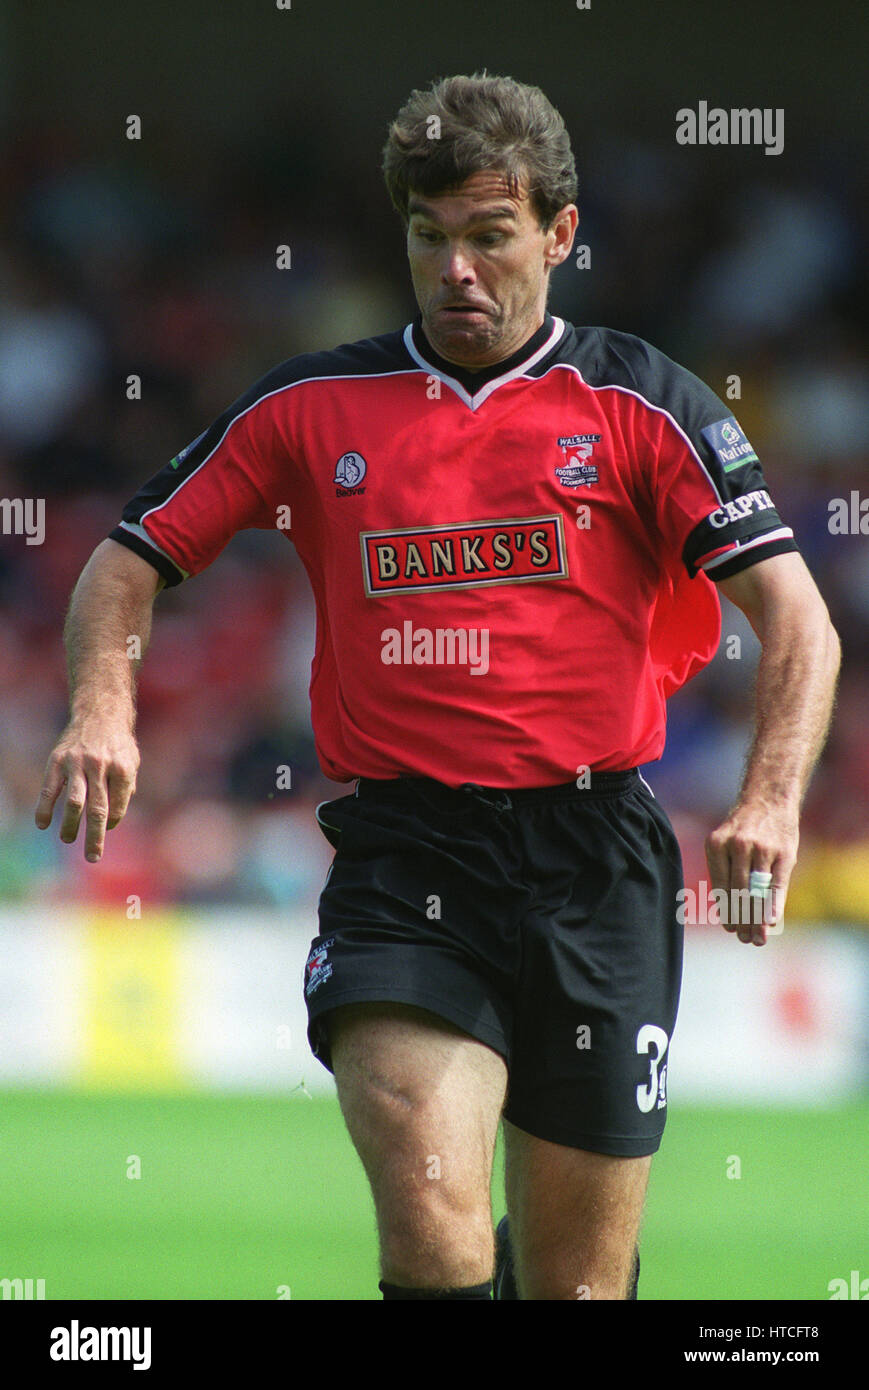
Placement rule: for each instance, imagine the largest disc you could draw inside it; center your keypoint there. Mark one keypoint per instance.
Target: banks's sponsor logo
(419, 559)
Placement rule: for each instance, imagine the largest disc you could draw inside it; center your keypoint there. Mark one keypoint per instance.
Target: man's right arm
(96, 758)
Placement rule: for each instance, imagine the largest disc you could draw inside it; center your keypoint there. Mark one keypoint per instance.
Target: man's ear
(563, 231)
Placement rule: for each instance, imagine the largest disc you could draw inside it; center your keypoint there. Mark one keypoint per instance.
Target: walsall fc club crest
(577, 469)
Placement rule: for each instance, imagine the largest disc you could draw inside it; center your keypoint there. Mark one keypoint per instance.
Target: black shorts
(542, 922)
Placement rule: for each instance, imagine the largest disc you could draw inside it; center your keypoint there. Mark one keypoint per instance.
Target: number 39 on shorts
(652, 1042)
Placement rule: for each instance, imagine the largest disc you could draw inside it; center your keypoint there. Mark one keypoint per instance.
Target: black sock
(476, 1291)
(635, 1276)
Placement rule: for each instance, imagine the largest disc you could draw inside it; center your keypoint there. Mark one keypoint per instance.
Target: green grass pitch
(240, 1197)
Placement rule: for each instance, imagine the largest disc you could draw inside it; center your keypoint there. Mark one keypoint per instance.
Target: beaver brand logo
(349, 472)
(419, 559)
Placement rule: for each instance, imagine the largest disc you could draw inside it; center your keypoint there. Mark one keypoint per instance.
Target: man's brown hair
(481, 123)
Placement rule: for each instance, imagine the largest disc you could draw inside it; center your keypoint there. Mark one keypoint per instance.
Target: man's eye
(490, 238)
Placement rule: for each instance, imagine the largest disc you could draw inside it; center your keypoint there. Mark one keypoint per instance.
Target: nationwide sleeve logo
(420, 559)
(179, 458)
(729, 444)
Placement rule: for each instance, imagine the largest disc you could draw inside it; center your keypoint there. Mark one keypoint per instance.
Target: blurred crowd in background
(114, 268)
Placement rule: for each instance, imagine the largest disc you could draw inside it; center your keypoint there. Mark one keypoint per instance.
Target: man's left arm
(795, 694)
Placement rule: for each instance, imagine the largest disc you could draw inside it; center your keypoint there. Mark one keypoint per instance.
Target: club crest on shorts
(576, 471)
(317, 967)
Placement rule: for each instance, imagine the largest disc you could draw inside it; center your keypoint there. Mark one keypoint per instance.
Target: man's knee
(433, 1207)
(405, 1084)
(402, 1111)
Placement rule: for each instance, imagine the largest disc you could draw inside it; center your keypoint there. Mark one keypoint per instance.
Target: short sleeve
(221, 483)
(710, 498)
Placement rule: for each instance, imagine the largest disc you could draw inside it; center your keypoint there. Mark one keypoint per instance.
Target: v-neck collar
(475, 387)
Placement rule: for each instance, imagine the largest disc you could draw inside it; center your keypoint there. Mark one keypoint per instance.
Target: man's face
(480, 263)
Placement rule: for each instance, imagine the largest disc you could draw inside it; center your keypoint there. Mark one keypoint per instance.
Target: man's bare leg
(574, 1218)
(422, 1101)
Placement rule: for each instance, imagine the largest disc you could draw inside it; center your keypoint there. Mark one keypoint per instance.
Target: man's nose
(458, 265)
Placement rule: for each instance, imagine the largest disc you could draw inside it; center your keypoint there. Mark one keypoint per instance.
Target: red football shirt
(510, 567)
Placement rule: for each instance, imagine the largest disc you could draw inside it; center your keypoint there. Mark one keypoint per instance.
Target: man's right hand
(97, 764)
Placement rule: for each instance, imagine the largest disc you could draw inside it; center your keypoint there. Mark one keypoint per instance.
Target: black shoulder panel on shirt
(607, 357)
(368, 357)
